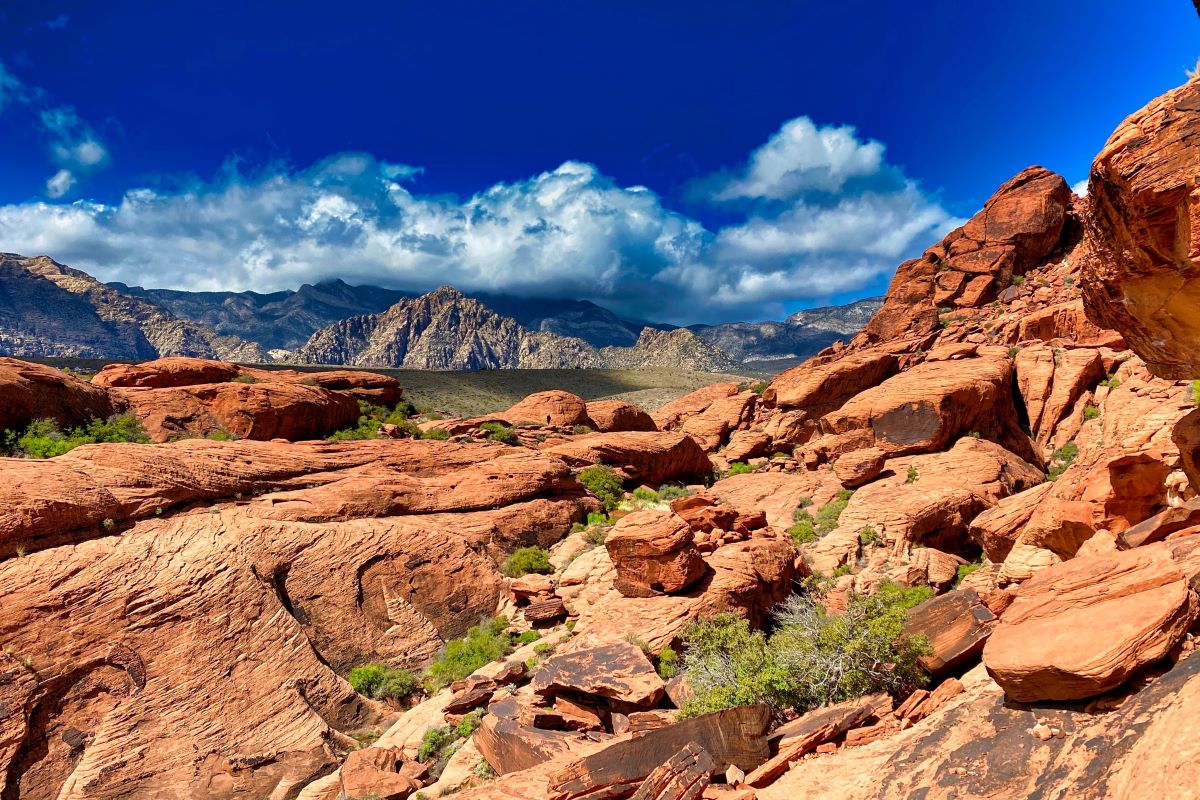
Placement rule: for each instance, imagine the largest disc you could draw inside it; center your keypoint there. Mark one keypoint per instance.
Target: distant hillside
(47, 309)
(801, 335)
(446, 329)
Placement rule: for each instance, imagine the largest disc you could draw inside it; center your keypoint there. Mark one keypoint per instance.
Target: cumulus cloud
(1080, 188)
(836, 219)
(73, 145)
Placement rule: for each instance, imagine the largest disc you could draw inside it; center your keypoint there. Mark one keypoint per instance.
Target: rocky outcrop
(549, 408)
(1143, 233)
(674, 349)
(616, 415)
(54, 310)
(259, 411)
(646, 456)
(1021, 224)
(166, 372)
(653, 553)
(31, 391)
(1083, 627)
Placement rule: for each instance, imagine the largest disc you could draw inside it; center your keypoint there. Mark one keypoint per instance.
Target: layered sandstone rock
(653, 553)
(549, 408)
(647, 456)
(32, 391)
(616, 415)
(1143, 233)
(1085, 626)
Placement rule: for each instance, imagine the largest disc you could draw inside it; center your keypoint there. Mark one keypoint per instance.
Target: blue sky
(684, 161)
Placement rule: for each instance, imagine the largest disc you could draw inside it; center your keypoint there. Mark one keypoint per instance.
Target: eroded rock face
(1144, 233)
(653, 553)
(32, 391)
(1083, 627)
(617, 415)
(549, 408)
(650, 457)
(164, 372)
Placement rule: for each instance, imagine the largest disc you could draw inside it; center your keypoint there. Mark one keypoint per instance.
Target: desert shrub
(596, 534)
(527, 560)
(644, 495)
(580, 430)
(668, 664)
(1061, 459)
(1090, 412)
(1068, 281)
(499, 432)
(813, 658)
(435, 741)
(435, 433)
(669, 493)
(468, 724)
(827, 517)
(371, 420)
(1110, 382)
(913, 475)
(601, 481)
(740, 468)
(1196, 392)
(381, 682)
(483, 644)
(221, 435)
(528, 637)
(966, 569)
(1017, 280)
(868, 536)
(804, 527)
(244, 379)
(1013, 351)
(759, 387)
(44, 439)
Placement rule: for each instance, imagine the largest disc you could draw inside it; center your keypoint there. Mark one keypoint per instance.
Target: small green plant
(1061, 459)
(1017, 280)
(804, 527)
(528, 637)
(531, 663)
(526, 560)
(668, 493)
(1068, 281)
(483, 644)
(1013, 352)
(109, 524)
(580, 430)
(1090, 412)
(244, 379)
(779, 455)
(483, 769)
(640, 644)
(868, 536)
(499, 432)
(973, 434)
(468, 724)
(381, 682)
(966, 569)
(644, 495)
(740, 468)
(435, 741)
(759, 387)
(440, 434)
(602, 482)
(913, 475)
(668, 664)
(1196, 392)
(221, 435)
(543, 648)
(827, 517)
(1110, 381)
(571, 624)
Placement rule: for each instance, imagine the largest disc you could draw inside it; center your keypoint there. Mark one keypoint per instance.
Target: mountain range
(51, 310)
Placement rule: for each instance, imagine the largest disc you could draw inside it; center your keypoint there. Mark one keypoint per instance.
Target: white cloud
(60, 183)
(1080, 188)
(74, 145)
(839, 218)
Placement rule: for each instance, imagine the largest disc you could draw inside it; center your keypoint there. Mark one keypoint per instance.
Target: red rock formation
(166, 372)
(1143, 233)
(653, 553)
(32, 391)
(648, 457)
(608, 416)
(548, 408)
(1085, 626)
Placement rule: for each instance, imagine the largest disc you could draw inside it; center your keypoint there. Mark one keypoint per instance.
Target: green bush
(669, 493)
(827, 517)
(1013, 351)
(1110, 382)
(1061, 459)
(966, 569)
(1196, 392)
(913, 475)
(813, 658)
(601, 481)
(740, 468)
(527, 560)
(381, 682)
(668, 664)
(499, 432)
(44, 439)
(245, 379)
(580, 430)
(1017, 280)
(483, 644)
(468, 724)
(371, 420)
(440, 434)
(804, 527)
(435, 741)
(528, 637)
(1090, 412)
(868, 536)
(221, 435)
(644, 495)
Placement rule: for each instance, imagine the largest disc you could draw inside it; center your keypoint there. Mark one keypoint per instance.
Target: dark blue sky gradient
(963, 94)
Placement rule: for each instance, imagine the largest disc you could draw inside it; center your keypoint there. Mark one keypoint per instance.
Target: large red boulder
(617, 415)
(548, 408)
(653, 553)
(32, 391)
(648, 456)
(1141, 273)
(164, 372)
(1084, 626)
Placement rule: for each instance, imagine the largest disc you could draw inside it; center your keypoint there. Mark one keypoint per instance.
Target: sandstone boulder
(649, 457)
(380, 772)
(618, 673)
(166, 372)
(1084, 626)
(653, 553)
(956, 625)
(683, 776)
(822, 386)
(32, 391)
(1141, 234)
(260, 411)
(616, 415)
(554, 407)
